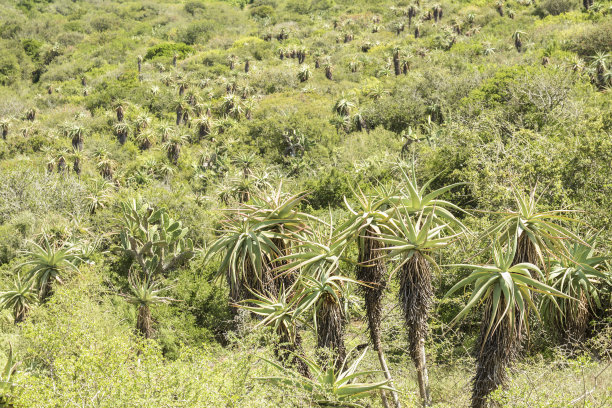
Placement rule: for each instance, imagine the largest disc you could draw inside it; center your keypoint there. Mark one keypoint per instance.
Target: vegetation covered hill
(303, 203)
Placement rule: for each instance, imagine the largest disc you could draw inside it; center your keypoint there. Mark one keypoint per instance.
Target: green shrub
(29, 5)
(264, 11)
(495, 90)
(193, 7)
(595, 38)
(104, 23)
(328, 190)
(395, 113)
(199, 31)
(168, 50)
(305, 7)
(32, 48)
(9, 68)
(555, 7)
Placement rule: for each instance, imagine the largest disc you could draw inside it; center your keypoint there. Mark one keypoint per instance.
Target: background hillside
(202, 107)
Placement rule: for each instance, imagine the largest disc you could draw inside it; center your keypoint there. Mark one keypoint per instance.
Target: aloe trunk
(330, 329)
(415, 298)
(372, 271)
(19, 315)
(144, 322)
(396, 63)
(77, 166)
(288, 351)
(526, 252)
(494, 355)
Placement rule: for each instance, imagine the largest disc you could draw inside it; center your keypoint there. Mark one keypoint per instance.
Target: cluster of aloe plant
(292, 270)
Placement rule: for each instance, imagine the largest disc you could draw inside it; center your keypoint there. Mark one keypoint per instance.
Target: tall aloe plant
(414, 199)
(279, 312)
(245, 244)
(422, 224)
(368, 219)
(505, 289)
(253, 241)
(412, 241)
(579, 277)
(540, 234)
(20, 298)
(317, 258)
(7, 385)
(144, 294)
(290, 223)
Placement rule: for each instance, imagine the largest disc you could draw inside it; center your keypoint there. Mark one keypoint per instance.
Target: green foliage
(168, 50)
(305, 7)
(470, 111)
(555, 7)
(32, 48)
(9, 68)
(197, 32)
(330, 386)
(495, 91)
(328, 190)
(262, 11)
(30, 5)
(593, 39)
(6, 384)
(85, 338)
(194, 7)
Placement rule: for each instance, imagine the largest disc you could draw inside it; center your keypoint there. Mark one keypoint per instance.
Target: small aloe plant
(6, 383)
(330, 386)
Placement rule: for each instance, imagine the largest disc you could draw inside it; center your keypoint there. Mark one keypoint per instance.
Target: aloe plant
(279, 312)
(47, 265)
(6, 382)
(246, 245)
(20, 298)
(505, 289)
(412, 240)
(366, 222)
(304, 74)
(144, 294)
(578, 276)
(415, 199)
(330, 386)
(540, 234)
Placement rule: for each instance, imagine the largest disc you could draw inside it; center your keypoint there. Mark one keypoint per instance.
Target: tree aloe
(279, 313)
(540, 234)
(578, 277)
(20, 298)
(317, 258)
(144, 294)
(366, 222)
(48, 263)
(412, 240)
(505, 290)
